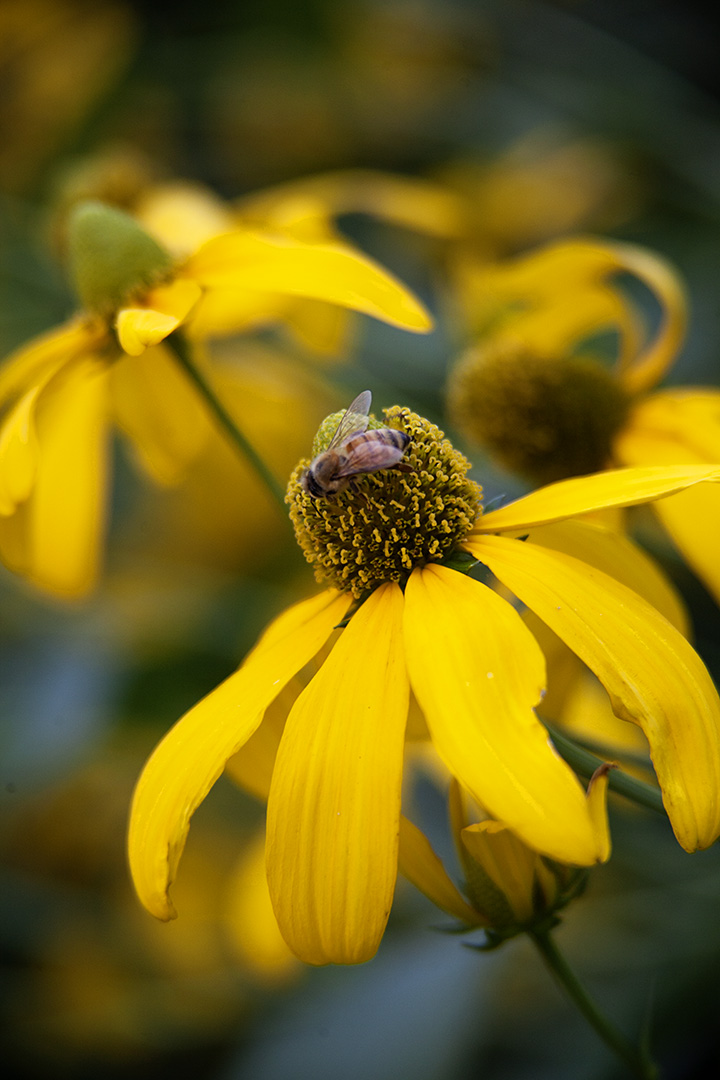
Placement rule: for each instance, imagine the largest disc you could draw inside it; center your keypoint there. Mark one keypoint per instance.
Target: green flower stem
(635, 1058)
(586, 763)
(184, 358)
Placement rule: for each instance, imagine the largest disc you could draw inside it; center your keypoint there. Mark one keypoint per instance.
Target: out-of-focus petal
(585, 494)
(334, 807)
(46, 353)
(254, 931)
(191, 757)
(18, 453)
(159, 410)
(653, 676)
(329, 272)
(66, 516)
(414, 203)
(682, 426)
(477, 672)
(420, 865)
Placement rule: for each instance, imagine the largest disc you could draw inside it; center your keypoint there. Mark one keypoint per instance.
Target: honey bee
(354, 450)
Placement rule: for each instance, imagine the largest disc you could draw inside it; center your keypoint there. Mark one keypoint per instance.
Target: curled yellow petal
(477, 672)
(653, 676)
(191, 757)
(597, 805)
(599, 491)
(334, 806)
(139, 327)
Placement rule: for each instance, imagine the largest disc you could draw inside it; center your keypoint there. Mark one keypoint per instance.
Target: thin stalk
(636, 1059)
(586, 763)
(223, 418)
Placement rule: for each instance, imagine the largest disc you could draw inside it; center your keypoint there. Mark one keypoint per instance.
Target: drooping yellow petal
(66, 515)
(18, 453)
(334, 804)
(653, 676)
(617, 555)
(254, 932)
(477, 672)
(159, 410)
(599, 491)
(331, 272)
(420, 865)
(191, 757)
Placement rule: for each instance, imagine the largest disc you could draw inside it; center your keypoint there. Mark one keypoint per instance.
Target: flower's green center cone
(386, 523)
(111, 257)
(545, 418)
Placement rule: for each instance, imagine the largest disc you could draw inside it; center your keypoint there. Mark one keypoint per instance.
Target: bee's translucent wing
(355, 419)
(373, 452)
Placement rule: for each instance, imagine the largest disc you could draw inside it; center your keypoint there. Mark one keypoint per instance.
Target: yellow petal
(18, 453)
(34, 361)
(160, 411)
(653, 676)
(66, 519)
(191, 757)
(334, 807)
(585, 494)
(420, 865)
(616, 555)
(477, 671)
(331, 272)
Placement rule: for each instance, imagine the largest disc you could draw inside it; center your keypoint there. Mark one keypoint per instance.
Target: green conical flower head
(111, 257)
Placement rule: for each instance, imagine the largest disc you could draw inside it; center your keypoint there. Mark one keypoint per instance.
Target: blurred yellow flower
(509, 886)
(533, 393)
(396, 543)
(60, 393)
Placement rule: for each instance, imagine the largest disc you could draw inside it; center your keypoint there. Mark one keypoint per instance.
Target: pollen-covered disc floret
(387, 523)
(543, 417)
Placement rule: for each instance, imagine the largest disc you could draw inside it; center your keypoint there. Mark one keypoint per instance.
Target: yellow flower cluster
(434, 607)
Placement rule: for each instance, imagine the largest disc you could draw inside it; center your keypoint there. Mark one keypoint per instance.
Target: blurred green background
(551, 118)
